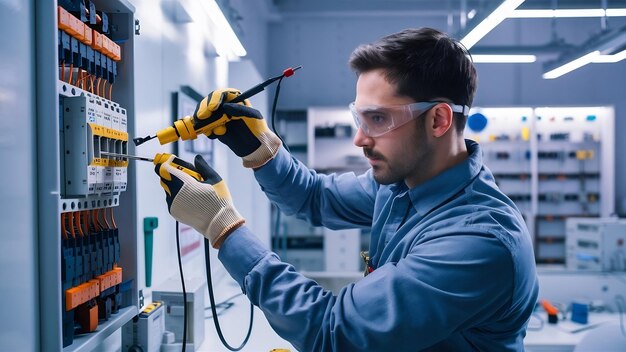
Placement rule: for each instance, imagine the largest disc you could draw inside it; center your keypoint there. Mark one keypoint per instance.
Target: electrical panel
(553, 162)
(596, 244)
(90, 263)
(171, 295)
(145, 333)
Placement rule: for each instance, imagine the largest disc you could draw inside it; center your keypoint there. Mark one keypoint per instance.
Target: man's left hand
(204, 205)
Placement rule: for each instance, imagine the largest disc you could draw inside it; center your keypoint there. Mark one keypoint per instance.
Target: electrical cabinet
(330, 134)
(596, 244)
(86, 201)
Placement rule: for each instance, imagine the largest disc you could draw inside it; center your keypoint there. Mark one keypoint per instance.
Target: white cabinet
(330, 135)
(553, 162)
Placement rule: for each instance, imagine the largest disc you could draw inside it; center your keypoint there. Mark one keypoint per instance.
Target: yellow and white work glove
(205, 204)
(246, 132)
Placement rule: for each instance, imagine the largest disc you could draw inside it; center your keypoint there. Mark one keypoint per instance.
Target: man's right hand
(246, 132)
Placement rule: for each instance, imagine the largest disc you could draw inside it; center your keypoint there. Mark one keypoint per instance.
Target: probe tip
(288, 72)
(139, 140)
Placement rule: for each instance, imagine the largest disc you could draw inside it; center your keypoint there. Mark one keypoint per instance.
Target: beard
(407, 160)
(387, 170)
(382, 171)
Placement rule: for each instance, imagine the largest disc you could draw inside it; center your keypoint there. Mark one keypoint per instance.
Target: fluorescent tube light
(610, 58)
(504, 58)
(567, 13)
(226, 39)
(490, 22)
(616, 12)
(572, 65)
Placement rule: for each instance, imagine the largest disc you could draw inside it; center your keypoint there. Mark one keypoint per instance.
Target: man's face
(400, 154)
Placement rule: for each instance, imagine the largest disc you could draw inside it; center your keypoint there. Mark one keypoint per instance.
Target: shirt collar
(438, 189)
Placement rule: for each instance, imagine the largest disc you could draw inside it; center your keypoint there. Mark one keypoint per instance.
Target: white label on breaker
(91, 113)
(108, 178)
(92, 179)
(99, 179)
(117, 178)
(123, 179)
(123, 122)
(115, 121)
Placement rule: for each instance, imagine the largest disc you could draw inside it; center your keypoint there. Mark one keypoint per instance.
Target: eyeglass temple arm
(464, 109)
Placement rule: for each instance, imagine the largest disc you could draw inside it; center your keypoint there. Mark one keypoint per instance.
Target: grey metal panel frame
(48, 171)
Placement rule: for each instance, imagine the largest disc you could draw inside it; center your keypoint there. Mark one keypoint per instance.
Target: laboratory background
(90, 257)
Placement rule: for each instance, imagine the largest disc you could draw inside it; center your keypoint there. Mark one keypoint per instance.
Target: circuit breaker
(93, 125)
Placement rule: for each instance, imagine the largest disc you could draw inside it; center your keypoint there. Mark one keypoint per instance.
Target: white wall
(18, 212)
(169, 55)
(254, 33)
(248, 198)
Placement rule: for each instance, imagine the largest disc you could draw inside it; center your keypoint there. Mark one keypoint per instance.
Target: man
(452, 266)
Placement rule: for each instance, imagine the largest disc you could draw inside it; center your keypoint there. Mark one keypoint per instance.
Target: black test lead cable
(207, 262)
(182, 280)
(207, 246)
(279, 243)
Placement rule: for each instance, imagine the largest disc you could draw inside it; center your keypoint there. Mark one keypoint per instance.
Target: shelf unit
(323, 141)
(53, 198)
(553, 162)
(293, 239)
(330, 133)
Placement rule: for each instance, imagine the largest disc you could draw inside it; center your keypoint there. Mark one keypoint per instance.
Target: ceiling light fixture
(606, 47)
(571, 65)
(500, 59)
(616, 12)
(610, 59)
(226, 42)
(567, 13)
(489, 22)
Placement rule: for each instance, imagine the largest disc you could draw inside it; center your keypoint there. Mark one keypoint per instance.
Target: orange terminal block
(110, 278)
(97, 41)
(64, 21)
(78, 27)
(88, 36)
(82, 293)
(70, 24)
(87, 317)
(117, 51)
(106, 45)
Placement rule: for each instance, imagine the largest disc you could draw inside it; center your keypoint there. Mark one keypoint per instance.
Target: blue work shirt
(453, 262)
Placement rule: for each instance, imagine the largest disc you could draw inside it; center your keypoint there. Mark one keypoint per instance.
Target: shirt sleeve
(443, 286)
(334, 201)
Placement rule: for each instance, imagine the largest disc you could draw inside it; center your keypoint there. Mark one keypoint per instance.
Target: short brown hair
(424, 64)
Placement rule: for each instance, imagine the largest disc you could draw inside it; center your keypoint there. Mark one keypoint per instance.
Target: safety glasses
(375, 121)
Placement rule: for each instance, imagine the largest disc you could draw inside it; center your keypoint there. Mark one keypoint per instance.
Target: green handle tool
(149, 224)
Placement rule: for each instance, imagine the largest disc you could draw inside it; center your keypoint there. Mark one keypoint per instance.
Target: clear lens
(375, 121)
